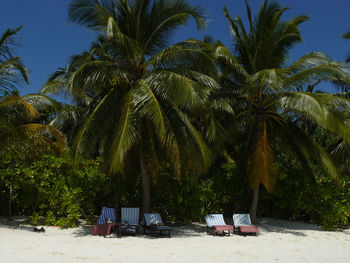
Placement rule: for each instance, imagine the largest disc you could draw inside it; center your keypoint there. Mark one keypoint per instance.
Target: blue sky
(48, 40)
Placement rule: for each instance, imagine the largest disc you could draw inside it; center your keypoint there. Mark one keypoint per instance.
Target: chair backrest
(241, 220)
(152, 218)
(215, 220)
(130, 215)
(107, 213)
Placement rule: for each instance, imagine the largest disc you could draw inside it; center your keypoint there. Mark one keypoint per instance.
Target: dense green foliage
(52, 192)
(49, 189)
(299, 196)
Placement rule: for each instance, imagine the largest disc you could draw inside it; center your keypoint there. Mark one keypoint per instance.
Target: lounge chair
(154, 225)
(216, 223)
(130, 220)
(243, 224)
(102, 227)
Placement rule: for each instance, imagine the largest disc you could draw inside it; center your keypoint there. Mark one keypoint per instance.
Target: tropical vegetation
(196, 126)
(270, 98)
(141, 90)
(12, 69)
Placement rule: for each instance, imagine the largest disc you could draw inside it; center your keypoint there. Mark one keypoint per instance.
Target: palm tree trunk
(10, 199)
(254, 205)
(146, 192)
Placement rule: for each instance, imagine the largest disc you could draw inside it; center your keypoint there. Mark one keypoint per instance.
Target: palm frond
(89, 13)
(261, 163)
(12, 71)
(176, 87)
(340, 151)
(20, 138)
(17, 107)
(328, 111)
(164, 18)
(8, 42)
(147, 105)
(346, 35)
(230, 64)
(124, 137)
(187, 53)
(96, 123)
(193, 150)
(312, 151)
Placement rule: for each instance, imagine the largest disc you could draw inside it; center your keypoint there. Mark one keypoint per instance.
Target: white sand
(278, 241)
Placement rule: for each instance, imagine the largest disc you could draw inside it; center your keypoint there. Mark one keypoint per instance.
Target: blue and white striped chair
(153, 222)
(243, 224)
(107, 213)
(216, 223)
(107, 216)
(130, 220)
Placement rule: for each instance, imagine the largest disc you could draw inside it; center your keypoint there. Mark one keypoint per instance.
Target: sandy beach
(278, 241)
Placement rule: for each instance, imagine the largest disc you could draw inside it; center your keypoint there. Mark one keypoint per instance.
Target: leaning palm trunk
(254, 205)
(261, 132)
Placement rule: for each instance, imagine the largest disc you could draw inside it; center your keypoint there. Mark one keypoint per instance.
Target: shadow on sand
(17, 223)
(179, 230)
(183, 230)
(188, 230)
(286, 227)
(82, 231)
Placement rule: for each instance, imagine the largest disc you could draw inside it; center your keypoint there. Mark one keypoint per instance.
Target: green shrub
(48, 189)
(51, 190)
(298, 196)
(190, 198)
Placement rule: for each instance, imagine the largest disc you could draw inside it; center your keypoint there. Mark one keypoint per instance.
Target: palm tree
(140, 90)
(19, 131)
(12, 69)
(17, 114)
(339, 149)
(267, 94)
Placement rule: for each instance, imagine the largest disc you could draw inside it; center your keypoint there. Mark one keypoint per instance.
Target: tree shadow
(16, 223)
(189, 230)
(178, 230)
(182, 230)
(287, 227)
(82, 231)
